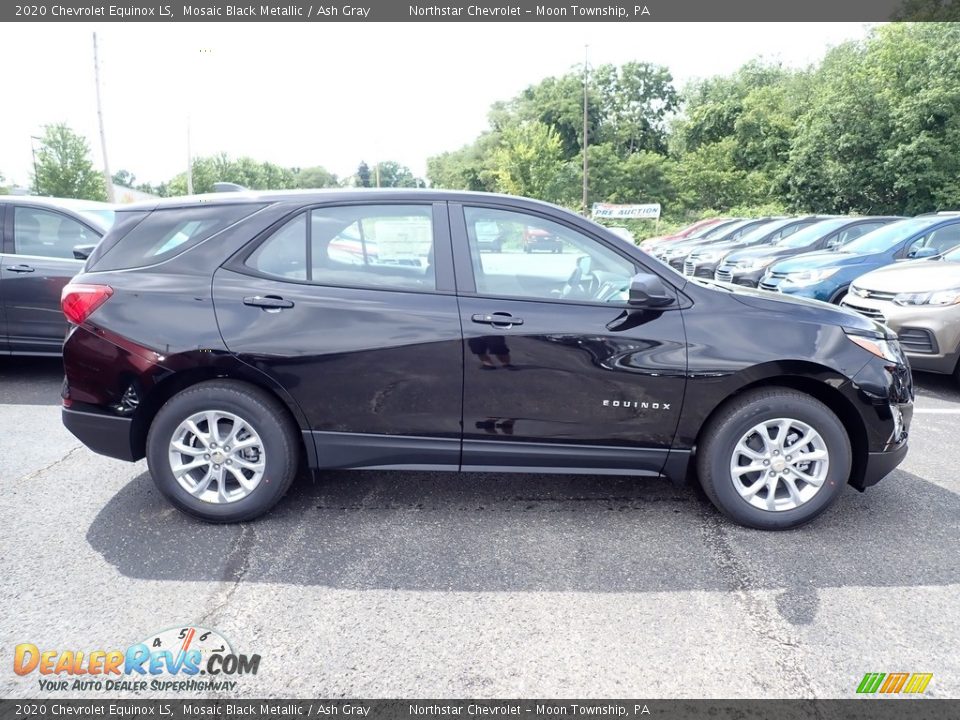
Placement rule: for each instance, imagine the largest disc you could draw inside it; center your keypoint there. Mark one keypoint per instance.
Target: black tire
(261, 411)
(732, 422)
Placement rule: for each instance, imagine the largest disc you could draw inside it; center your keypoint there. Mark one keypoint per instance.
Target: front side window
(945, 238)
(379, 246)
(540, 259)
(48, 234)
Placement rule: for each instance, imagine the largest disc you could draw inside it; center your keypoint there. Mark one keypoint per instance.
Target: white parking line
(937, 411)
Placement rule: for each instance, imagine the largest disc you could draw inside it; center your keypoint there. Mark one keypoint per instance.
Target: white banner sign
(634, 212)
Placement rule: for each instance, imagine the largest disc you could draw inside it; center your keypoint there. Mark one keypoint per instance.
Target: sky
(301, 94)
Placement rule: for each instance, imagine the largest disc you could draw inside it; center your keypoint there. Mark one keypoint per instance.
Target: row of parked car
(903, 272)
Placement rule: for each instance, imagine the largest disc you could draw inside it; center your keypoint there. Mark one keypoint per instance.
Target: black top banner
(635, 11)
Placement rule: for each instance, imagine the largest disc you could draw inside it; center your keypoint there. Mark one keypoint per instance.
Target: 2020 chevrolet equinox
(230, 337)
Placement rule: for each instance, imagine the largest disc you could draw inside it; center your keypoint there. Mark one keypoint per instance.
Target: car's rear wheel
(222, 451)
(774, 459)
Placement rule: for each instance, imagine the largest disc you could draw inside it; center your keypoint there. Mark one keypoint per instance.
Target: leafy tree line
(63, 168)
(873, 128)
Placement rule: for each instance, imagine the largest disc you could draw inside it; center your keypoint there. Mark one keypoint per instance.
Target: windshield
(758, 234)
(704, 231)
(888, 236)
(718, 230)
(728, 231)
(810, 235)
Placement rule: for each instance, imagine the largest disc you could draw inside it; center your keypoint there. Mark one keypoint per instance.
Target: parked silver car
(920, 301)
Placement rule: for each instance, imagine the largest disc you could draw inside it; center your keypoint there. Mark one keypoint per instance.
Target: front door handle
(497, 319)
(20, 268)
(268, 302)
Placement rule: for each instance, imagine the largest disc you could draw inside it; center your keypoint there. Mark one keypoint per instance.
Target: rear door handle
(20, 268)
(268, 302)
(505, 319)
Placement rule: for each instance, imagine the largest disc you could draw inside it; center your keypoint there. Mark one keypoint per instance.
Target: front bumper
(104, 434)
(881, 464)
(929, 335)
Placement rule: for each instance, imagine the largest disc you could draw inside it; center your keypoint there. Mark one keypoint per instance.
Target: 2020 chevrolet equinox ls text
(228, 338)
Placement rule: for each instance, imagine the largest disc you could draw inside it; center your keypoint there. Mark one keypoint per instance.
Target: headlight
(886, 348)
(937, 297)
(754, 263)
(811, 277)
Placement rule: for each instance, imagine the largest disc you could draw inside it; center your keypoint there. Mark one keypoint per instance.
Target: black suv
(229, 338)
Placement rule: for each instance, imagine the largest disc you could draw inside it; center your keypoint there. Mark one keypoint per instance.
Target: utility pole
(107, 179)
(377, 167)
(586, 140)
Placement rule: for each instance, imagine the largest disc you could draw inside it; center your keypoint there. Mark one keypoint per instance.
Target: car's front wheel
(774, 459)
(222, 451)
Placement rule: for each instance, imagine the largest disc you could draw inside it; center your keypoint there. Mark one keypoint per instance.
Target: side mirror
(833, 243)
(82, 252)
(923, 252)
(649, 291)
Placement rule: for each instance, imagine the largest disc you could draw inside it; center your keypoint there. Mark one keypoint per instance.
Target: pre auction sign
(608, 211)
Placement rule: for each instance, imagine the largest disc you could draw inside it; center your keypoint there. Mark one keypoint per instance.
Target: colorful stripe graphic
(892, 683)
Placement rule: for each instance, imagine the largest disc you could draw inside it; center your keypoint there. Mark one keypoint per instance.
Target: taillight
(79, 301)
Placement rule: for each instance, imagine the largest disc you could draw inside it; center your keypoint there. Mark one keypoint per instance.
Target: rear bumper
(104, 434)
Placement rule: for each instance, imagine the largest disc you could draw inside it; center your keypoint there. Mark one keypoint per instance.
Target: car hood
(799, 308)
(914, 276)
(763, 251)
(820, 259)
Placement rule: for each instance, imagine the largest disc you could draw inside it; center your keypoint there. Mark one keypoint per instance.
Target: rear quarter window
(165, 233)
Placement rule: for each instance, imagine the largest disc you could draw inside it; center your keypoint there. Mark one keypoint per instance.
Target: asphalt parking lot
(427, 585)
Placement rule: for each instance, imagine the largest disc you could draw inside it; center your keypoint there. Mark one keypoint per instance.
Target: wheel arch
(818, 382)
(176, 382)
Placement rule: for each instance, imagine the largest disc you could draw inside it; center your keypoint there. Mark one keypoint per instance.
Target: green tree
(363, 175)
(467, 168)
(125, 178)
(709, 178)
(528, 161)
(3, 187)
(316, 177)
(635, 101)
(64, 168)
(244, 171)
(393, 174)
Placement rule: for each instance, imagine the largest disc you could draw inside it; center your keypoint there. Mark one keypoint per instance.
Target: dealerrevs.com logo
(183, 659)
(894, 683)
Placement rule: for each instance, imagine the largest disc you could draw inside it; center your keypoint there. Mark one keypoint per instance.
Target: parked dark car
(218, 338)
(727, 231)
(827, 275)
(747, 267)
(536, 239)
(42, 245)
(703, 262)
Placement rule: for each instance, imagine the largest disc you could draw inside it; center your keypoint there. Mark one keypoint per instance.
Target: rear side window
(388, 247)
(166, 233)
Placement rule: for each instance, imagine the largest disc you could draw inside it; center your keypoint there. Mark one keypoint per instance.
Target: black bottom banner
(179, 709)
